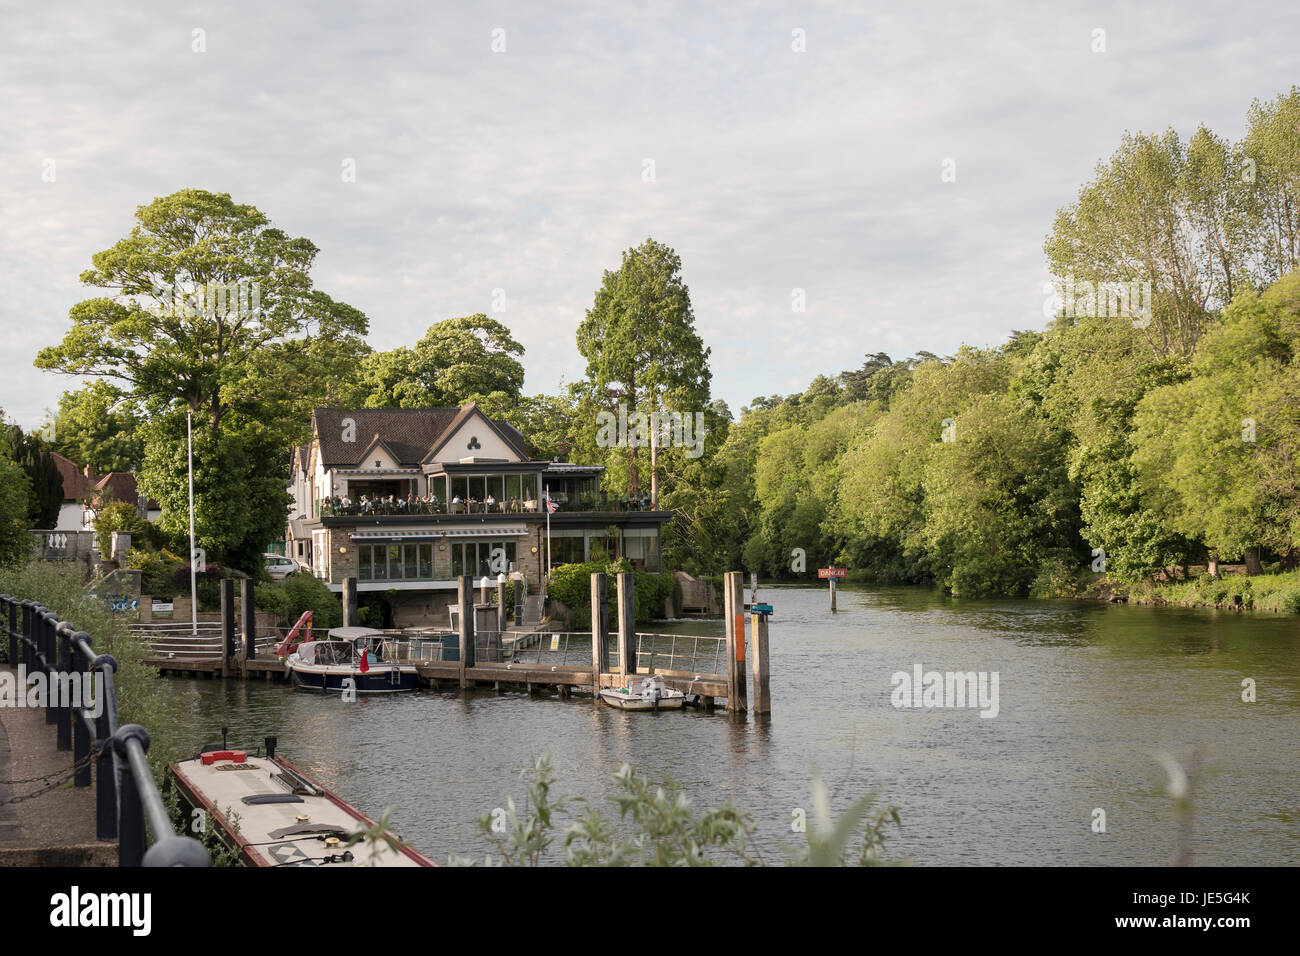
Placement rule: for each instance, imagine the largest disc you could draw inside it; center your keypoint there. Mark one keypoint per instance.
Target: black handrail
(126, 794)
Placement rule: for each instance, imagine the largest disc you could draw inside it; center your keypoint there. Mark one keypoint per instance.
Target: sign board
(163, 607)
(832, 572)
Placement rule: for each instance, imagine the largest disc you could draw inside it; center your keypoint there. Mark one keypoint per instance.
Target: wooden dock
(549, 671)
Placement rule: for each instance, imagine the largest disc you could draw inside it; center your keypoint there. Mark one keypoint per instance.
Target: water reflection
(1088, 693)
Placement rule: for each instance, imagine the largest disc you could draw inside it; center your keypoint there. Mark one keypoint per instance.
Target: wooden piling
(248, 618)
(227, 624)
(733, 593)
(762, 667)
(501, 607)
(599, 631)
(465, 596)
(350, 614)
(832, 580)
(627, 622)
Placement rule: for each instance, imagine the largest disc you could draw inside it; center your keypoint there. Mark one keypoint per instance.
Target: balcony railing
(335, 507)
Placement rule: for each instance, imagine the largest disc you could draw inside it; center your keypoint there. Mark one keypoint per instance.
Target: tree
(91, 434)
(213, 310)
(456, 360)
(1158, 231)
(641, 347)
(1272, 146)
(44, 482)
(14, 489)
(1216, 453)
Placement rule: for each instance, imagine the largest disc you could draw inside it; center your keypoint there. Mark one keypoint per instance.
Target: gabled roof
(409, 434)
(506, 432)
(75, 483)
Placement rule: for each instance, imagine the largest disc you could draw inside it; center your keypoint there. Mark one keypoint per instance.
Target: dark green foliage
(298, 593)
(571, 585)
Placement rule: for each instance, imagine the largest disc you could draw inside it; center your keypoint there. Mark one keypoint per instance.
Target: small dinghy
(645, 693)
(270, 813)
(351, 659)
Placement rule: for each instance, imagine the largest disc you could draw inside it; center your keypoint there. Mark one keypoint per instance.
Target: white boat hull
(626, 702)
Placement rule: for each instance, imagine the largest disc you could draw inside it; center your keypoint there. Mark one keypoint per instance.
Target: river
(1087, 695)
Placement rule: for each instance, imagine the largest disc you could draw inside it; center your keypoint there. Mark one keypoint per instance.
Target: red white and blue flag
(551, 505)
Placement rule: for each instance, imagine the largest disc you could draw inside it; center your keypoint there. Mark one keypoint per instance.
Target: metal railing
(126, 795)
(680, 652)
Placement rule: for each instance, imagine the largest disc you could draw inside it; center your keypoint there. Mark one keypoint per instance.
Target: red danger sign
(832, 572)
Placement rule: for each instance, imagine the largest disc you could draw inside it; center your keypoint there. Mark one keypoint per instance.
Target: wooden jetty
(499, 658)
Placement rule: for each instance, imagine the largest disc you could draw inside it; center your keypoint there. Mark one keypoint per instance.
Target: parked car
(280, 567)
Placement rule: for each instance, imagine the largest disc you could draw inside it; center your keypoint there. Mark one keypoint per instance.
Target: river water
(1088, 695)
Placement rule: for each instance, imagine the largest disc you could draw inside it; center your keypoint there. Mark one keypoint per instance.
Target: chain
(51, 781)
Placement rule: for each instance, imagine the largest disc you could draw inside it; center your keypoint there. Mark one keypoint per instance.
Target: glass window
(379, 565)
(365, 561)
(409, 552)
(426, 562)
(395, 562)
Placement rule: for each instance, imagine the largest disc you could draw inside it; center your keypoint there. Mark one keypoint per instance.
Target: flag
(551, 506)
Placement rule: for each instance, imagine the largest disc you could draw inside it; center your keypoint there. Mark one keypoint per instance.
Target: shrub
(1057, 578)
(142, 697)
(571, 585)
(124, 516)
(297, 593)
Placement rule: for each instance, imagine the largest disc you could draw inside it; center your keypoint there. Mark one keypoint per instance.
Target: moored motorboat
(270, 813)
(644, 693)
(351, 659)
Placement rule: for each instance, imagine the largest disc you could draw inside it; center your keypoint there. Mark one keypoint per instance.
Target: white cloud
(522, 170)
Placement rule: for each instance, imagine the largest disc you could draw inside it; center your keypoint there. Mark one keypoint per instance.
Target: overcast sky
(524, 170)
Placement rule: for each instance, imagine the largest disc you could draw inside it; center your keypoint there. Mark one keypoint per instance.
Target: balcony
(590, 502)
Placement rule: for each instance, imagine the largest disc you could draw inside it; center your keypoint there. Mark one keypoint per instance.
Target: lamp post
(194, 587)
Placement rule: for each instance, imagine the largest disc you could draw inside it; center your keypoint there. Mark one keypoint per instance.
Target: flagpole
(548, 533)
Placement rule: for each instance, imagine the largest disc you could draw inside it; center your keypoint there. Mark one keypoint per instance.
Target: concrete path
(56, 828)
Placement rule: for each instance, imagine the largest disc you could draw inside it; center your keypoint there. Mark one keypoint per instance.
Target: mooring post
(627, 622)
(832, 580)
(762, 669)
(465, 614)
(248, 618)
(227, 624)
(599, 632)
(733, 593)
(501, 608)
(350, 614)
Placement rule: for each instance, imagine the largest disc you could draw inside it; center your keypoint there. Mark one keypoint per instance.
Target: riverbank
(1278, 593)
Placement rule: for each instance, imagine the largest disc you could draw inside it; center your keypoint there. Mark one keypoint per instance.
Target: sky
(788, 152)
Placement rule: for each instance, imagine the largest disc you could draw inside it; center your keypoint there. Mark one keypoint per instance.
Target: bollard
(350, 614)
(762, 667)
(465, 601)
(599, 631)
(733, 593)
(227, 625)
(248, 617)
(627, 623)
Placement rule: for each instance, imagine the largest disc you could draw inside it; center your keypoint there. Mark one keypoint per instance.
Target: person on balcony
(489, 503)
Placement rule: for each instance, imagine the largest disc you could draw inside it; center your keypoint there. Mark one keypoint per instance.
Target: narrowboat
(270, 813)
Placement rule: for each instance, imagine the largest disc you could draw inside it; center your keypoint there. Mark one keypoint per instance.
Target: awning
(487, 531)
(382, 537)
(431, 534)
